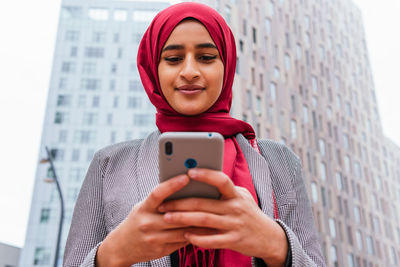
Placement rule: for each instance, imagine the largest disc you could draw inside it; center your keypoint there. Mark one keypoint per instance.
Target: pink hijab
(216, 119)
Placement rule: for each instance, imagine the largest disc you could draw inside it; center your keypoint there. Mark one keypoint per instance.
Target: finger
(164, 190)
(216, 178)
(155, 222)
(196, 204)
(202, 219)
(218, 241)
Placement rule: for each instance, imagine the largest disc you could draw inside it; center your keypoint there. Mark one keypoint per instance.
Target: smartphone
(181, 151)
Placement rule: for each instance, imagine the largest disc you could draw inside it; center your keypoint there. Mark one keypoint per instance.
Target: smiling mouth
(190, 89)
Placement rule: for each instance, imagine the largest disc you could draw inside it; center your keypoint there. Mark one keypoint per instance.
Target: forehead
(189, 31)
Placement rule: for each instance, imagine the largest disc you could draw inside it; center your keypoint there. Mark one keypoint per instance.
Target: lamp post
(49, 159)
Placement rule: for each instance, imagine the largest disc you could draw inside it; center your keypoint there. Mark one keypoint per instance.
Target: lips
(190, 89)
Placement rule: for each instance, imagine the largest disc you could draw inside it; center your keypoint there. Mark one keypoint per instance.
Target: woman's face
(190, 71)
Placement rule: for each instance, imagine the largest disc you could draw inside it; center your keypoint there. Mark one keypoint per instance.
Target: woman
(187, 61)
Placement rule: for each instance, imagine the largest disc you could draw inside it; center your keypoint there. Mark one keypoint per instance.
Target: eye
(207, 58)
(172, 59)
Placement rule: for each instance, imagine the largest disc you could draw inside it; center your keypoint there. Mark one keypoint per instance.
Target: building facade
(95, 99)
(303, 78)
(9, 255)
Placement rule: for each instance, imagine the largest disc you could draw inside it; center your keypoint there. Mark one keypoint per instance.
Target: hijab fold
(216, 119)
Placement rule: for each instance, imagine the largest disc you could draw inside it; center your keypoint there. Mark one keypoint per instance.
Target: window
(72, 194)
(314, 192)
(142, 119)
(314, 84)
(42, 256)
(90, 118)
(94, 52)
(334, 259)
(272, 91)
(73, 52)
(44, 215)
(370, 245)
(287, 62)
(71, 12)
(61, 117)
(357, 214)
(75, 155)
(111, 85)
(135, 85)
(350, 260)
(120, 15)
(99, 37)
(133, 102)
(143, 15)
(90, 154)
(76, 174)
(113, 68)
(71, 36)
(62, 136)
(277, 73)
(305, 114)
(339, 181)
(62, 84)
(271, 8)
(84, 137)
(254, 31)
(322, 147)
(332, 227)
(68, 67)
(98, 14)
(82, 101)
(115, 101)
(357, 169)
(359, 240)
(228, 13)
(298, 51)
(95, 101)
(267, 26)
(89, 68)
(323, 171)
(293, 129)
(249, 99)
(63, 100)
(258, 104)
(90, 84)
(109, 119)
(347, 163)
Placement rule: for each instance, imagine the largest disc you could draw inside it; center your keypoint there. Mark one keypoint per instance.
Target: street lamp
(52, 179)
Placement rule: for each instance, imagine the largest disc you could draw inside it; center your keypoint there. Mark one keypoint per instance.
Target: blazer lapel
(147, 177)
(260, 174)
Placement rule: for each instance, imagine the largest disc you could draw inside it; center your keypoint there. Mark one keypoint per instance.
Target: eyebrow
(180, 47)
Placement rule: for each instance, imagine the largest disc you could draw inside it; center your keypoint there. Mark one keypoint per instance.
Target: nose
(190, 70)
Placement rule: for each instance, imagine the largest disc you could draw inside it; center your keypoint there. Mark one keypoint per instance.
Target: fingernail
(161, 208)
(193, 173)
(182, 178)
(168, 216)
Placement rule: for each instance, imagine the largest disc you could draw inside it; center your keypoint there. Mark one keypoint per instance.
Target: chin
(190, 111)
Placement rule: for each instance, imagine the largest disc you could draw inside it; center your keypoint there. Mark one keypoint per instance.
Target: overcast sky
(28, 30)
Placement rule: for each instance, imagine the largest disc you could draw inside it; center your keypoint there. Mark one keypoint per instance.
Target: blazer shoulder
(126, 147)
(270, 148)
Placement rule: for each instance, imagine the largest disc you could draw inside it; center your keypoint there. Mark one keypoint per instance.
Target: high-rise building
(303, 78)
(95, 99)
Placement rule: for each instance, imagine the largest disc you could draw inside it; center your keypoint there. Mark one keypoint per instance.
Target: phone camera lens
(168, 148)
(190, 163)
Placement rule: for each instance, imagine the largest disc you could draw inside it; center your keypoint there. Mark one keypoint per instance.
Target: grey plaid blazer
(123, 174)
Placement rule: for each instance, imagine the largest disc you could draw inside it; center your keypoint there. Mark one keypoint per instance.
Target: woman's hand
(144, 235)
(238, 222)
